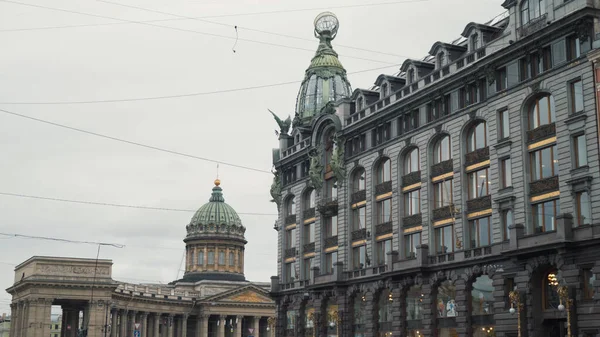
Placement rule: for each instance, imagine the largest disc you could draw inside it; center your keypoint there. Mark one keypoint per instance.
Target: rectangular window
(583, 208)
(479, 184)
(359, 218)
(384, 211)
(444, 239)
(359, 257)
(501, 79)
(504, 123)
(544, 163)
(442, 194)
(524, 68)
(546, 59)
(211, 258)
(411, 241)
(576, 96)
(290, 272)
(330, 260)
(507, 222)
(588, 284)
(309, 233)
(412, 202)
(573, 47)
(544, 215)
(331, 226)
(383, 247)
(221, 258)
(506, 173)
(580, 151)
(307, 268)
(480, 232)
(231, 259)
(201, 258)
(290, 238)
(331, 189)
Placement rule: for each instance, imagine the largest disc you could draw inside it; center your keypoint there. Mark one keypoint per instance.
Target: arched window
(414, 304)
(440, 59)
(411, 161)
(359, 318)
(411, 75)
(200, 258)
(445, 307)
(385, 313)
(385, 90)
(441, 150)
(482, 306)
(549, 285)
(477, 137)
(474, 42)
(541, 112)
(384, 171)
(290, 206)
(359, 180)
(310, 198)
(359, 103)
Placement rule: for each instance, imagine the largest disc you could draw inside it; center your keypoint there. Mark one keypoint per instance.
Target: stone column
(221, 328)
(144, 324)
(113, 322)
(463, 317)
(156, 326)
(398, 308)
(170, 325)
(428, 313)
(63, 324)
(184, 320)
(123, 323)
(203, 331)
(13, 318)
(132, 323)
(238, 326)
(256, 326)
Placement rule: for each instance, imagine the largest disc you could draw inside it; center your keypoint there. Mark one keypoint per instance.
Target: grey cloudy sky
(128, 60)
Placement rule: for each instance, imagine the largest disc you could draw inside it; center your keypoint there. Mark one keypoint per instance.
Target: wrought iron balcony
(411, 178)
(360, 234)
(412, 220)
(331, 241)
(358, 196)
(541, 133)
(479, 204)
(290, 219)
(290, 252)
(308, 213)
(543, 186)
(442, 168)
(443, 212)
(477, 156)
(328, 207)
(384, 228)
(383, 188)
(309, 247)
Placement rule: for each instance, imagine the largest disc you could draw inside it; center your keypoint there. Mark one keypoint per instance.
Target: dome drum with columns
(215, 242)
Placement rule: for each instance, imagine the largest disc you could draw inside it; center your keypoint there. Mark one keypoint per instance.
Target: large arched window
(482, 306)
(359, 319)
(310, 198)
(532, 9)
(414, 311)
(385, 313)
(441, 150)
(541, 112)
(384, 171)
(290, 206)
(359, 180)
(411, 161)
(477, 137)
(445, 307)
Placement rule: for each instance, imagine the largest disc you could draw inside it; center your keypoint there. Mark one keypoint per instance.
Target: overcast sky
(106, 59)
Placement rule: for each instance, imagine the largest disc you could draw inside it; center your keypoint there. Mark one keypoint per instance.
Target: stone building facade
(213, 299)
(459, 197)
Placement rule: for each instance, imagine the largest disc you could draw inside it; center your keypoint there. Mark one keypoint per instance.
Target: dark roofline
(445, 45)
(365, 92)
(509, 3)
(479, 26)
(389, 78)
(416, 63)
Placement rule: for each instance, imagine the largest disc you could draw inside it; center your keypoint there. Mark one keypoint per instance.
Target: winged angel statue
(284, 125)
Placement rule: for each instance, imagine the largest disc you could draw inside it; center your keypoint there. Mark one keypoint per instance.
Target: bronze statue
(284, 126)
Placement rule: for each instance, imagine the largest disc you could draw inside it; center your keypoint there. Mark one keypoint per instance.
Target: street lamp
(563, 296)
(335, 319)
(515, 301)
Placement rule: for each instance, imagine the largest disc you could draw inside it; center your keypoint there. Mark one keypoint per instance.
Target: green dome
(218, 214)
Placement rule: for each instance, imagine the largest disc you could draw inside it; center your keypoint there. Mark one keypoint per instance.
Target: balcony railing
(411, 178)
(441, 258)
(331, 241)
(309, 247)
(383, 188)
(543, 186)
(442, 168)
(533, 26)
(412, 220)
(541, 133)
(290, 252)
(360, 234)
(477, 252)
(290, 219)
(383, 228)
(358, 196)
(328, 207)
(443, 212)
(479, 204)
(477, 156)
(309, 213)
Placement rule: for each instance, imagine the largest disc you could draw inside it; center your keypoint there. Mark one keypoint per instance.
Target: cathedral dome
(325, 79)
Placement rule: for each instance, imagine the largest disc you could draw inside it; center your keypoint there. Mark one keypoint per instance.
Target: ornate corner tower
(215, 242)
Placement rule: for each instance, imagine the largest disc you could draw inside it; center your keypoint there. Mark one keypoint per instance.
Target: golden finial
(217, 181)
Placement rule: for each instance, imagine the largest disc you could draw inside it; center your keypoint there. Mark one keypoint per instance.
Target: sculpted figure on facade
(284, 125)
(315, 172)
(338, 166)
(276, 189)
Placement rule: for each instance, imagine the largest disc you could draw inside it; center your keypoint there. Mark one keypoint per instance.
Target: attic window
(359, 103)
(474, 42)
(411, 75)
(385, 90)
(440, 60)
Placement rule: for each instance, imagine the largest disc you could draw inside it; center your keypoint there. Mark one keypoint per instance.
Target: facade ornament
(315, 172)
(276, 189)
(328, 108)
(338, 166)
(284, 126)
(583, 29)
(297, 121)
(490, 75)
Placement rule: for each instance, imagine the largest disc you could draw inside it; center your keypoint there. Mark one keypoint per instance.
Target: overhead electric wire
(85, 202)
(246, 28)
(179, 29)
(48, 238)
(133, 143)
(148, 98)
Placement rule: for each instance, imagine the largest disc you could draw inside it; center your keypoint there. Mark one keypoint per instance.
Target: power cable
(133, 143)
(148, 98)
(48, 238)
(179, 29)
(84, 202)
(246, 28)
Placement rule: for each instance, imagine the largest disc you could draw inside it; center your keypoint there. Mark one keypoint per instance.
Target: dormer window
(411, 75)
(359, 103)
(474, 42)
(440, 60)
(385, 90)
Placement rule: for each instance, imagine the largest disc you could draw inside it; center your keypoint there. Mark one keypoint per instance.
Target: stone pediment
(247, 294)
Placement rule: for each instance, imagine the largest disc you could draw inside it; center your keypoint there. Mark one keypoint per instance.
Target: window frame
(577, 160)
(380, 211)
(579, 208)
(507, 219)
(409, 161)
(384, 171)
(537, 171)
(412, 203)
(504, 124)
(410, 242)
(356, 179)
(475, 231)
(486, 186)
(576, 98)
(506, 172)
(473, 141)
(440, 193)
(534, 117)
(545, 213)
(438, 150)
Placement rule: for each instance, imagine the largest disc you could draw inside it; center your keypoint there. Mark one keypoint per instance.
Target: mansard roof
(447, 46)
(509, 3)
(485, 28)
(416, 63)
(371, 96)
(392, 79)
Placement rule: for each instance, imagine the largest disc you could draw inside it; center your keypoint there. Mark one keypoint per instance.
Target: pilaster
(124, 315)
(463, 318)
(184, 320)
(428, 318)
(144, 324)
(370, 314)
(398, 307)
(113, 322)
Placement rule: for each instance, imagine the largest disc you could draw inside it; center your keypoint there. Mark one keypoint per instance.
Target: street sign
(137, 333)
(137, 326)
(251, 330)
